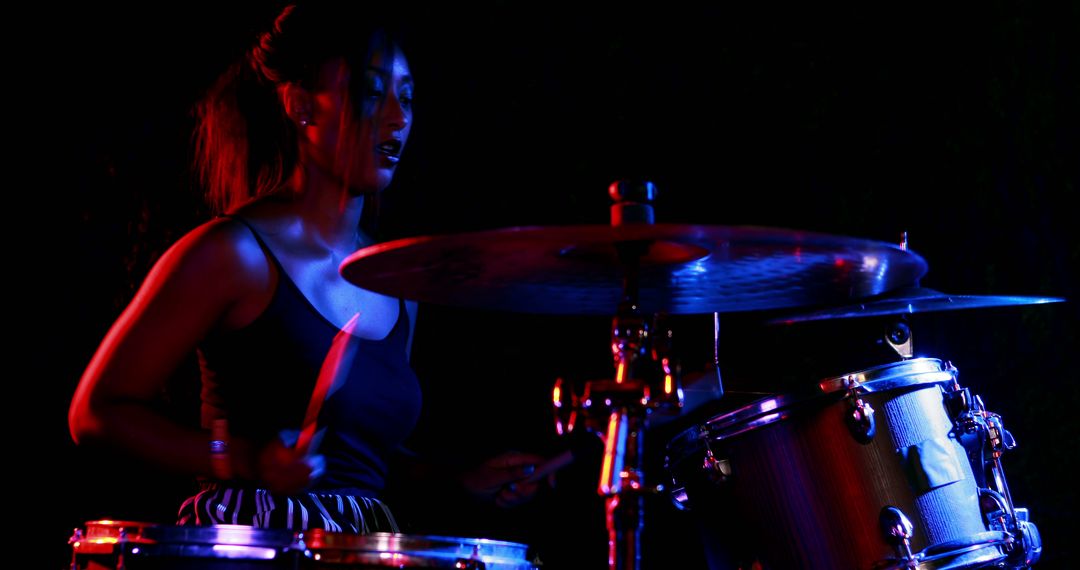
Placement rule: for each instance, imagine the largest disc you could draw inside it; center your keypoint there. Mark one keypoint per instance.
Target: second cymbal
(681, 269)
(910, 300)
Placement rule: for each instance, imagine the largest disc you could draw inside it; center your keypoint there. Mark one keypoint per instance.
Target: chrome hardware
(1030, 541)
(897, 530)
(985, 439)
(958, 401)
(717, 470)
(860, 418)
(564, 403)
(898, 337)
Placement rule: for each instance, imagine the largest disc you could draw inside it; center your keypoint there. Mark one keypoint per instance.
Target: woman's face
(363, 151)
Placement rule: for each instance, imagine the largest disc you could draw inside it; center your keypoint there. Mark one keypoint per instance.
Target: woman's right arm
(189, 291)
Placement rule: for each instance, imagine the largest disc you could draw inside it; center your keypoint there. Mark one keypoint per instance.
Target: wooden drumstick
(580, 444)
(335, 368)
(550, 466)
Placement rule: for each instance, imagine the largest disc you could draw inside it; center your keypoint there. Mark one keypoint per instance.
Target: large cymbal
(685, 269)
(907, 300)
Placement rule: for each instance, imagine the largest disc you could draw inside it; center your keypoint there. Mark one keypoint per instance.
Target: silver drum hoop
(383, 549)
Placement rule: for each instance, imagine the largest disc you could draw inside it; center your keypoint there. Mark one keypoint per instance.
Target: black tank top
(261, 378)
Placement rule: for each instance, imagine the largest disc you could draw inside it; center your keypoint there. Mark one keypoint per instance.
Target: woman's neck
(329, 212)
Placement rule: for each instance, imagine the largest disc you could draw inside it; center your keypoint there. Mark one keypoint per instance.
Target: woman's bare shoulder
(224, 248)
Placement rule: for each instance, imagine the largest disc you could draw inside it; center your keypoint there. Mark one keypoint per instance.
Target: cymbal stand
(626, 400)
(617, 410)
(621, 473)
(644, 382)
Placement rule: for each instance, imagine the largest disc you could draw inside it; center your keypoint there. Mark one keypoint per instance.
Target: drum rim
(989, 544)
(223, 534)
(910, 372)
(769, 410)
(117, 523)
(313, 537)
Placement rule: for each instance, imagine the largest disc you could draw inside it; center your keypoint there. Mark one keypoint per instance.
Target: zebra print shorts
(220, 504)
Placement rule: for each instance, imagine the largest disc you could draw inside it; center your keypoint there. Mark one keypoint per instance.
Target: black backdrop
(956, 126)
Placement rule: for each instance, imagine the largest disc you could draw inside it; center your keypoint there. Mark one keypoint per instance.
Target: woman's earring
(305, 120)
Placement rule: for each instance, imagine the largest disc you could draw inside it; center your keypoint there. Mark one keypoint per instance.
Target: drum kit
(891, 466)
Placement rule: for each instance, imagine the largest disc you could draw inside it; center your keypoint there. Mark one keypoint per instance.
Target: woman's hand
(283, 469)
(508, 480)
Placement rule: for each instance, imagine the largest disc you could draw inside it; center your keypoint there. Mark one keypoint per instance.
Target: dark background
(958, 126)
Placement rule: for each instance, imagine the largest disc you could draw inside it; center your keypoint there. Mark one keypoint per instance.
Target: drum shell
(340, 551)
(804, 492)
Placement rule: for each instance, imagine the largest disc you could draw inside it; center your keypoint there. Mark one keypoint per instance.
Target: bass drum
(864, 471)
(338, 551)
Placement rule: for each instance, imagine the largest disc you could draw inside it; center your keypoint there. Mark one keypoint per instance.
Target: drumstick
(335, 368)
(579, 444)
(550, 466)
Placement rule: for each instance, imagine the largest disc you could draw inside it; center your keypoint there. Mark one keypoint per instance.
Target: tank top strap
(258, 238)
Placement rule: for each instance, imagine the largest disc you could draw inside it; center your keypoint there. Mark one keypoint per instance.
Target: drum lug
(897, 530)
(860, 415)
(716, 470)
(860, 418)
